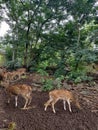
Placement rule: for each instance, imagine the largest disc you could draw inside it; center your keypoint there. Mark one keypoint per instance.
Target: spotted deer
(23, 90)
(61, 94)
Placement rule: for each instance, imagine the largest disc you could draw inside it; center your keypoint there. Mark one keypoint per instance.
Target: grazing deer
(23, 90)
(64, 95)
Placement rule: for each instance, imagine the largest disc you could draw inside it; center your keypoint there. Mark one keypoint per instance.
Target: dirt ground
(37, 119)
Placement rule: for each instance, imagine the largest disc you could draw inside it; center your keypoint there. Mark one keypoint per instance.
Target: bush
(13, 64)
(78, 76)
(48, 85)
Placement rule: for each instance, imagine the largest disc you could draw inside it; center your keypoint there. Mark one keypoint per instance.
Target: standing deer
(23, 90)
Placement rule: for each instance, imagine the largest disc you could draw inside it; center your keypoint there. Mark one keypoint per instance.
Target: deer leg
(48, 103)
(25, 103)
(16, 98)
(30, 99)
(69, 105)
(9, 98)
(64, 103)
(53, 103)
(8, 101)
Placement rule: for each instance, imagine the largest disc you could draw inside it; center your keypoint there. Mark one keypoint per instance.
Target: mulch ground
(37, 119)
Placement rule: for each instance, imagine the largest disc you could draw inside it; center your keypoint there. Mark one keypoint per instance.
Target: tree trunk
(26, 54)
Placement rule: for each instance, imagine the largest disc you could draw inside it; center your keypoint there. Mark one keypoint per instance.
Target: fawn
(23, 90)
(61, 94)
(18, 73)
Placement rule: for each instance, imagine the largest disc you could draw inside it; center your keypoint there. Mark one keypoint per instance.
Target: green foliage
(57, 33)
(13, 64)
(41, 68)
(42, 72)
(58, 81)
(60, 72)
(2, 60)
(9, 53)
(79, 75)
(48, 85)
